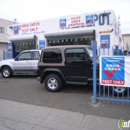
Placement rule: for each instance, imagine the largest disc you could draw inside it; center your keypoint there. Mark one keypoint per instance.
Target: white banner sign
(115, 71)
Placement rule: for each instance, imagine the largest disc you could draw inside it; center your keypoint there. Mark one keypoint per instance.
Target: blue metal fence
(106, 93)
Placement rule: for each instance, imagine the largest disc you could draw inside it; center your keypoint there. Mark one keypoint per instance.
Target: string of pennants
(66, 40)
(53, 41)
(22, 44)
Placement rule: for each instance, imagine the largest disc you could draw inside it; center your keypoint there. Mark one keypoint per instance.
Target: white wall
(3, 46)
(126, 38)
(4, 23)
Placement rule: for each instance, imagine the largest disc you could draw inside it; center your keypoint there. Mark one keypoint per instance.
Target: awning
(19, 39)
(69, 34)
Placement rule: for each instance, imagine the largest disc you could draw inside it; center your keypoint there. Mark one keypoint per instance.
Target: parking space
(26, 89)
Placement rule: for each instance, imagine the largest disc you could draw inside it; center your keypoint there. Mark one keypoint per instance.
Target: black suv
(60, 65)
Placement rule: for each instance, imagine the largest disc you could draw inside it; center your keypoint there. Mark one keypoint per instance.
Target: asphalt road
(27, 89)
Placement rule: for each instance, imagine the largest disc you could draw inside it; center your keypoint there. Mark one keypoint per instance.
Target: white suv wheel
(6, 72)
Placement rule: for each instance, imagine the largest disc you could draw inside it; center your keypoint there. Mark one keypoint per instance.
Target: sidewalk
(20, 116)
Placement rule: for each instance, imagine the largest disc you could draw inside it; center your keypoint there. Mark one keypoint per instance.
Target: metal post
(94, 45)
(3, 55)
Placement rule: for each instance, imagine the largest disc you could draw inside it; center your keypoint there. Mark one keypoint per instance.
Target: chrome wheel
(6, 73)
(52, 83)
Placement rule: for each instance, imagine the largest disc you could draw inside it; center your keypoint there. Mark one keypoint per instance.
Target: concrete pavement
(20, 116)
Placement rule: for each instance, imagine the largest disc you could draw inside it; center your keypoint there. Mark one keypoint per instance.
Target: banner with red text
(115, 71)
(28, 28)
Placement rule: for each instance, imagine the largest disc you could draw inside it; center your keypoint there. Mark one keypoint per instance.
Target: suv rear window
(75, 54)
(52, 56)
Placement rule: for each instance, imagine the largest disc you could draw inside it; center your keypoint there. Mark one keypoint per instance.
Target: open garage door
(81, 37)
(22, 43)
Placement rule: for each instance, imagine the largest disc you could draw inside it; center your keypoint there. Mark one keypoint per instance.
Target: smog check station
(67, 30)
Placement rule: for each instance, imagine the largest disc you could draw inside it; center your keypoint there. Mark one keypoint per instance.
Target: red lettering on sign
(76, 21)
(25, 25)
(113, 82)
(25, 30)
(34, 24)
(33, 29)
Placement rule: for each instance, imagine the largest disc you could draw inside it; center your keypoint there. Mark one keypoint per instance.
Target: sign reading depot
(115, 71)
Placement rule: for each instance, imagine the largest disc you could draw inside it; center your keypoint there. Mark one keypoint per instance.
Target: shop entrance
(19, 46)
(77, 37)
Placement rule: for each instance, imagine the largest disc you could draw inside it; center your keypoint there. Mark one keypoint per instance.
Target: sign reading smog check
(115, 71)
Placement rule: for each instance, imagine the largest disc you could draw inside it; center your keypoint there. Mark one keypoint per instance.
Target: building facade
(78, 29)
(3, 36)
(126, 38)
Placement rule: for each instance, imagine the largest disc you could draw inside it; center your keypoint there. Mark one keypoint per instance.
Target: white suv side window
(25, 56)
(35, 55)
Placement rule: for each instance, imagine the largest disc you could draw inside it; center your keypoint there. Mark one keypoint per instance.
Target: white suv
(26, 63)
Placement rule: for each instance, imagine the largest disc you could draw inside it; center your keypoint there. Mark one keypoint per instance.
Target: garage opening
(19, 46)
(22, 43)
(82, 37)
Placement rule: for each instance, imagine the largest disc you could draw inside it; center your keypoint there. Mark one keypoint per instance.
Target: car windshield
(90, 51)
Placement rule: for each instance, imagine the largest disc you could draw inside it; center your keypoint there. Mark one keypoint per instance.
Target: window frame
(86, 59)
(17, 59)
(52, 50)
(2, 30)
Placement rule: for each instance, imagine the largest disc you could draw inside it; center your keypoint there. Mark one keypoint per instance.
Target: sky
(33, 10)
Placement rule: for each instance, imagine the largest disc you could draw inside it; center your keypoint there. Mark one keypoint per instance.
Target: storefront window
(21, 46)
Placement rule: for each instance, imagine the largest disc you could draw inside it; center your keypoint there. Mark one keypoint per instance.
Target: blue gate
(107, 93)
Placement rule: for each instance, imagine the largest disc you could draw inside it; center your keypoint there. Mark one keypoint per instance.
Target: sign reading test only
(115, 71)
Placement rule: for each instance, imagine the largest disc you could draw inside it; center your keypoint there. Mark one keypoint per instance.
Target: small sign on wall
(105, 41)
(89, 20)
(10, 50)
(41, 44)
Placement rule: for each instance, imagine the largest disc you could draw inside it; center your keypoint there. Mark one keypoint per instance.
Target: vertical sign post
(94, 45)
(10, 50)
(4, 54)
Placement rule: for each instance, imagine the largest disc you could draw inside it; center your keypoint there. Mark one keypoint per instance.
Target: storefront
(68, 30)
(82, 37)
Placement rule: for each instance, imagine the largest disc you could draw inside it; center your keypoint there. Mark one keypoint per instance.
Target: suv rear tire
(6, 72)
(53, 83)
(119, 90)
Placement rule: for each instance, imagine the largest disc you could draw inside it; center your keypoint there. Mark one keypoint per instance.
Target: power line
(10, 4)
(56, 0)
(68, 6)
